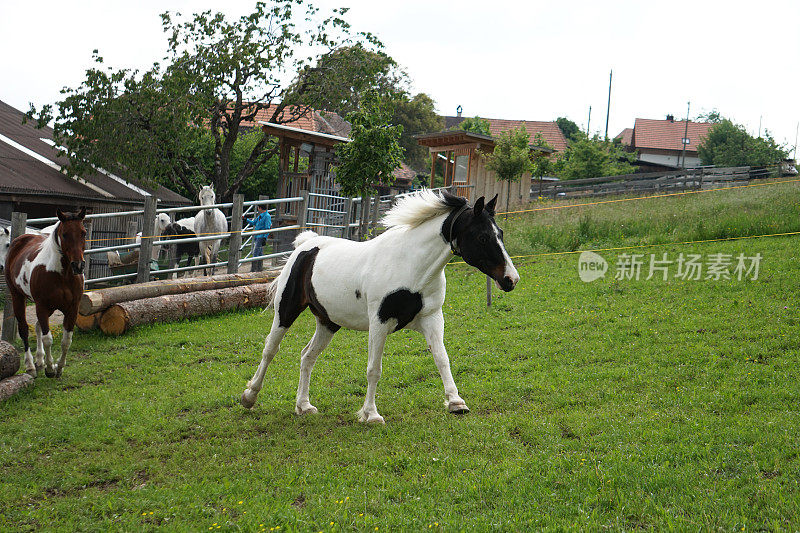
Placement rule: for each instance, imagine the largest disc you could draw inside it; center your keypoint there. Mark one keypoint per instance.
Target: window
(462, 162)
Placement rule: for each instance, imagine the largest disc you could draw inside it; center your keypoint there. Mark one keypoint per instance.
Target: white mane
(416, 208)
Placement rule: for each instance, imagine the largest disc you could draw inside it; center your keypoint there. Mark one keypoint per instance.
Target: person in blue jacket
(260, 222)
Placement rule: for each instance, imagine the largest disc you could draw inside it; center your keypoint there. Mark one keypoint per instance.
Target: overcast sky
(533, 60)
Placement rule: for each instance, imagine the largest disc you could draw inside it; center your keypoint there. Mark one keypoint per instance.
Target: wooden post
(146, 250)
(235, 240)
(375, 209)
(88, 224)
(348, 215)
(18, 221)
(302, 211)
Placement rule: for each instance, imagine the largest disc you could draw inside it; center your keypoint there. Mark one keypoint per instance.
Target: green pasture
(616, 404)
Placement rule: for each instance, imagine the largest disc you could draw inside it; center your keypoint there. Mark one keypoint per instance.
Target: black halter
(451, 240)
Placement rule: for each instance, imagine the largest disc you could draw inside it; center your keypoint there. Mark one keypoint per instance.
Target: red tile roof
(312, 120)
(549, 130)
(668, 134)
(626, 135)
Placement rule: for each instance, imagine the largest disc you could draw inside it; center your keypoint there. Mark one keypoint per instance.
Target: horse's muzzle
(78, 267)
(506, 284)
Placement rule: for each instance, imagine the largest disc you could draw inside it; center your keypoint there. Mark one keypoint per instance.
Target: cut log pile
(10, 383)
(117, 309)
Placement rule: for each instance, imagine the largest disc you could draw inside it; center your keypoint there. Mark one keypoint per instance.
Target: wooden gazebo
(460, 152)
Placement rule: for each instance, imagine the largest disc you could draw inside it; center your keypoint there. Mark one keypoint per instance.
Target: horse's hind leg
(271, 346)
(44, 341)
(18, 304)
(322, 337)
(377, 341)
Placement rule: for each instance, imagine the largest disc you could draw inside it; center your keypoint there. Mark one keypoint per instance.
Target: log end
(9, 360)
(115, 321)
(88, 322)
(14, 384)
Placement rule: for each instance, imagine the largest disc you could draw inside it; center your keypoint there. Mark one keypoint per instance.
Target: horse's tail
(303, 237)
(272, 290)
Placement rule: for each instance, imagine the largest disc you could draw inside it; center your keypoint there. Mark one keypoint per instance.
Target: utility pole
(608, 107)
(795, 141)
(759, 125)
(588, 122)
(685, 136)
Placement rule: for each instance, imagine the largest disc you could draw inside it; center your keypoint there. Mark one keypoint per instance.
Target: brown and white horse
(48, 269)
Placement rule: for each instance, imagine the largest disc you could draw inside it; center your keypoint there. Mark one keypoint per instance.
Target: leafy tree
(416, 115)
(218, 75)
(593, 158)
(475, 125)
(729, 145)
(570, 130)
(372, 154)
(511, 157)
(712, 116)
(542, 162)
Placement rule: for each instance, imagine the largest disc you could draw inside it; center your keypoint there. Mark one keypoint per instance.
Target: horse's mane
(419, 207)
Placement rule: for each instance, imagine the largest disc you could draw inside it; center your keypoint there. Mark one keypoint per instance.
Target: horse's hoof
(458, 408)
(307, 410)
(59, 370)
(370, 418)
(39, 367)
(50, 372)
(248, 399)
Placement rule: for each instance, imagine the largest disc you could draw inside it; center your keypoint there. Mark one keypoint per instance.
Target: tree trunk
(120, 317)
(88, 322)
(508, 197)
(10, 386)
(94, 301)
(9, 360)
(362, 230)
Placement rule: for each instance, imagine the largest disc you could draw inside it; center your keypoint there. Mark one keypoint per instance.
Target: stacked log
(10, 384)
(117, 309)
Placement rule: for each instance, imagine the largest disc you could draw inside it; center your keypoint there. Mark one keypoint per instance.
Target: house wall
(673, 159)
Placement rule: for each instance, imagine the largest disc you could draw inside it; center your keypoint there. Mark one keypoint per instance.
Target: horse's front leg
(44, 341)
(377, 341)
(66, 340)
(432, 327)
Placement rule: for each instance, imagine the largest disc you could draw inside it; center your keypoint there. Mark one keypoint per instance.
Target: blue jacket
(260, 222)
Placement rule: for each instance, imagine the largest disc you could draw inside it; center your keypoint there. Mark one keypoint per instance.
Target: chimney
(458, 111)
(671, 118)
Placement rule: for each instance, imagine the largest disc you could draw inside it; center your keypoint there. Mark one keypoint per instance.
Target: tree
(475, 125)
(729, 145)
(219, 74)
(593, 158)
(712, 116)
(541, 161)
(417, 115)
(372, 154)
(570, 130)
(511, 157)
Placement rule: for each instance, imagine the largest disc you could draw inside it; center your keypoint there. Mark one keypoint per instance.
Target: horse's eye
(483, 239)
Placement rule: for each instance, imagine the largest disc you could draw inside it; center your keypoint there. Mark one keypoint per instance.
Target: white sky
(533, 60)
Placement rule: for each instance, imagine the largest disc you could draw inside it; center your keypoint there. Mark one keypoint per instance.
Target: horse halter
(453, 246)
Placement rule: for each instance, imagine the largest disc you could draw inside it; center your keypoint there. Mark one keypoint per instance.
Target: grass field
(621, 404)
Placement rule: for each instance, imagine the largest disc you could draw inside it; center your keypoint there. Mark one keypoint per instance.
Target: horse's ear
(490, 206)
(6, 231)
(477, 209)
(60, 215)
(82, 213)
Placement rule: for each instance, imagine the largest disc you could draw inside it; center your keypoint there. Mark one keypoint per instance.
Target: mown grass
(613, 404)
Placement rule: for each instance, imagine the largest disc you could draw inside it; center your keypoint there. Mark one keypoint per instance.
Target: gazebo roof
(281, 130)
(458, 139)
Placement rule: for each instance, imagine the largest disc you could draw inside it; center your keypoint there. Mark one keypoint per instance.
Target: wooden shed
(460, 155)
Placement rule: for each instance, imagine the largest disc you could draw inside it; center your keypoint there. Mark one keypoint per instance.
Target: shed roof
(29, 164)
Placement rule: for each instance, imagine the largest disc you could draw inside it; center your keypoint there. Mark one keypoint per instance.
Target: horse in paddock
(209, 222)
(48, 269)
(189, 249)
(394, 281)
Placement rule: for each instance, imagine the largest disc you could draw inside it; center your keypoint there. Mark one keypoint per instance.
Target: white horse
(162, 221)
(209, 222)
(392, 282)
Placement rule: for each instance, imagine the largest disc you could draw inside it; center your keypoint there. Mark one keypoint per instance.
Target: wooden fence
(650, 182)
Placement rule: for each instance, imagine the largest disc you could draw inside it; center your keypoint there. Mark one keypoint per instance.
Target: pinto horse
(48, 269)
(395, 281)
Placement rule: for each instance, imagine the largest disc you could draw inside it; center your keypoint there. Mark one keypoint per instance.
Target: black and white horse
(190, 249)
(395, 281)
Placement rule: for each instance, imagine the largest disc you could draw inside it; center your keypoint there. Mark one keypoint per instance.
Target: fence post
(348, 215)
(88, 224)
(18, 221)
(375, 208)
(302, 211)
(235, 240)
(146, 249)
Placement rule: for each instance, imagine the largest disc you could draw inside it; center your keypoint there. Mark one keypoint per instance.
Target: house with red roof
(550, 131)
(660, 143)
